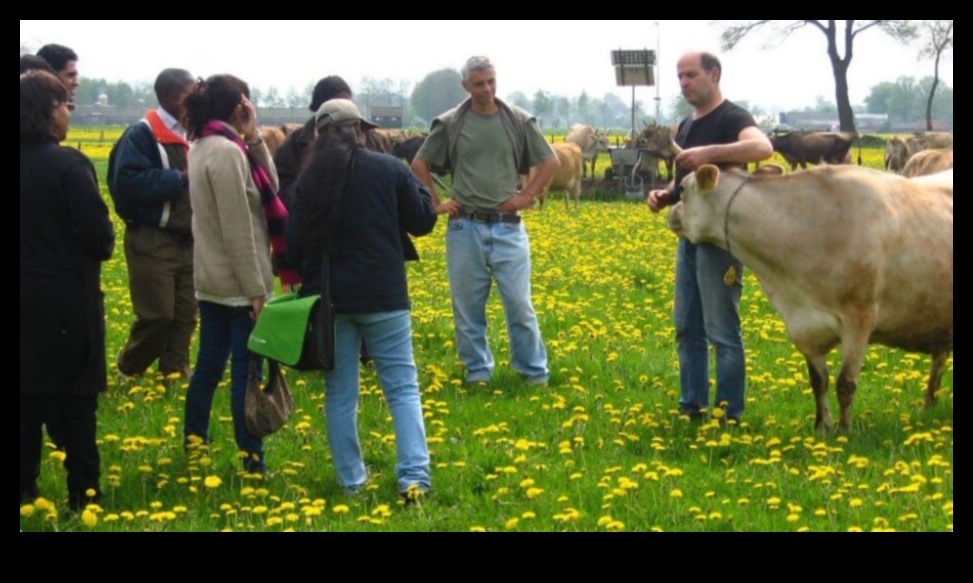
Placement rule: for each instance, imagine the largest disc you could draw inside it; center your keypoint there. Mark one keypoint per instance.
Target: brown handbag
(268, 408)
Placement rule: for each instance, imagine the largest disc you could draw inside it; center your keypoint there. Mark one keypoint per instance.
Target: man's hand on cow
(659, 199)
(693, 158)
(450, 207)
(516, 203)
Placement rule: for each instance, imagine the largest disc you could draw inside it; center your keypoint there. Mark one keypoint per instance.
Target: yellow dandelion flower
(512, 524)
(528, 516)
(89, 519)
(58, 456)
(533, 493)
(27, 511)
(676, 494)
(527, 484)
(477, 529)
(340, 509)
(856, 503)
(212, 482)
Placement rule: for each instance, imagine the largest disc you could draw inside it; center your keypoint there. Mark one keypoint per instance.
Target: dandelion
(212, 482)
(512, 524)
(27, 511)
(477, 529)
(676, 494)
(533, 493)
(340, 509)
(89, 518)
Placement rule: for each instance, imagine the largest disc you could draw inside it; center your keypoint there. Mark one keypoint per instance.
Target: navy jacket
(145, 193)
(368, 267)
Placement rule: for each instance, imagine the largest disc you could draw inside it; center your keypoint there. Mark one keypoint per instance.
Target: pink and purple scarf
(274, 211)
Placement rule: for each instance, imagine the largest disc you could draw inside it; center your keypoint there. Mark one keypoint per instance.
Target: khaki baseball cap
(337, 111)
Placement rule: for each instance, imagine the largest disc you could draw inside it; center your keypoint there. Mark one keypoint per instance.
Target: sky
(562, 57)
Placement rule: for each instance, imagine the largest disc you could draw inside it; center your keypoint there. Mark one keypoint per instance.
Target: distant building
(827, 121)
(386, 117)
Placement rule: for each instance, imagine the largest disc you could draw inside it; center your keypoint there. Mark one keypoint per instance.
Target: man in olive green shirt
(487, 144)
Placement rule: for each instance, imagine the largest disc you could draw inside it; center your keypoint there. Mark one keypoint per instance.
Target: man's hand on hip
(516, 203)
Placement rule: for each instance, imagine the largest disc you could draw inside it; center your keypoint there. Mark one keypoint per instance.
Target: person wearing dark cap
(148, 180)
(64, 61)
(290, 158)
(349, 228)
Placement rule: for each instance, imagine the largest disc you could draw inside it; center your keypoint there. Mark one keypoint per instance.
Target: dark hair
(213, 99)
(324, 183)
(57, 56)
(171, 81)
(40, 93)
(327, 89)
(709, 61)
(34, 63)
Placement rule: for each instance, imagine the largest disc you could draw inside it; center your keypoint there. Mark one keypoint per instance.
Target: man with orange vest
(148, 181)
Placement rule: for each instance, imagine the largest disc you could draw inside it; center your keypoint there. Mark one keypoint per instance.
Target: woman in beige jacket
(231, 182)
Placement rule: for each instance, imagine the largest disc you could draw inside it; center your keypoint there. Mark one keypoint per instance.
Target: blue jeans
(707, 309)
(223, 330)
(388, 336)
(478, 253)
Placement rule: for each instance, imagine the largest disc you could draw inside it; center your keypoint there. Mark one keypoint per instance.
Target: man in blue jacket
(148, 181)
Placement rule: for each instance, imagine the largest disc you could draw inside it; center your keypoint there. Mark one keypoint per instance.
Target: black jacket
(289, 160)
(65, 234)
(368, 267)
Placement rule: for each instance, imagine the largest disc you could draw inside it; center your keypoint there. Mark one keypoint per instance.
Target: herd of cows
(847, 255)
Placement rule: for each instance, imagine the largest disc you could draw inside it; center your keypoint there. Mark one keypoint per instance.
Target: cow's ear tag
(731, 275)
(707, 177)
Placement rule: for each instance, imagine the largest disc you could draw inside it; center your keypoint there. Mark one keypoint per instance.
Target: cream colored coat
(232, 248)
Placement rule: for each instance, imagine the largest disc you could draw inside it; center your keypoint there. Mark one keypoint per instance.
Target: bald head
(699, 80)
(706, 61)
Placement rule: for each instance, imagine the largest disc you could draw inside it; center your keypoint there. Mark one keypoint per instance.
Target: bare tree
(937, 40)
(837, 32)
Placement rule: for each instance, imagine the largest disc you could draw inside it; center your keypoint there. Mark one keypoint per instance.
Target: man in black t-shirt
(708, 279)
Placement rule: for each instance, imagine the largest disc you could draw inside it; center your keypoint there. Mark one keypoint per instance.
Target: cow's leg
(854, 344)
(936, 377)
(817, 368)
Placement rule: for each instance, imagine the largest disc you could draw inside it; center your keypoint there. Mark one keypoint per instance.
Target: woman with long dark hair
(349, 229)
(65, 235)
(237, 220)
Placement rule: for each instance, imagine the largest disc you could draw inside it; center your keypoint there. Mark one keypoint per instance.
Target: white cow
(847, 255)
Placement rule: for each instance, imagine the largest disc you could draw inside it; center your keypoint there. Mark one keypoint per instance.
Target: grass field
(602, 449)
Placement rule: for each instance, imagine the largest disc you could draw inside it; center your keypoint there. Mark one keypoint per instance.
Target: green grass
(602, 448)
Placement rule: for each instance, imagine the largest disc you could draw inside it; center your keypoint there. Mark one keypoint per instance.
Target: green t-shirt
(485, 172)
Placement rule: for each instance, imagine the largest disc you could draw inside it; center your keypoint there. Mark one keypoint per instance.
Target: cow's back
(928, 162)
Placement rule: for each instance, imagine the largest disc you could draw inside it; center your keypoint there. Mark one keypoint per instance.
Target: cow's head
(655, 138)
(601, 141)
(696, 217)
(700, 214)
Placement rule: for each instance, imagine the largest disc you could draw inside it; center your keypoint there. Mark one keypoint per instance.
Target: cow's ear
(769, 170)
(707, 177)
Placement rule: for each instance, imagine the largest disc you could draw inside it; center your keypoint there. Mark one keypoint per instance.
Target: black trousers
(72, 419)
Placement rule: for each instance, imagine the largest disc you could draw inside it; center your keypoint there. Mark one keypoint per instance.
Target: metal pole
(658, 70)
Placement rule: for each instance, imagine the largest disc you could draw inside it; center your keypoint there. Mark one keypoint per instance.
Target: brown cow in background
(567, 178)
(803, 148)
